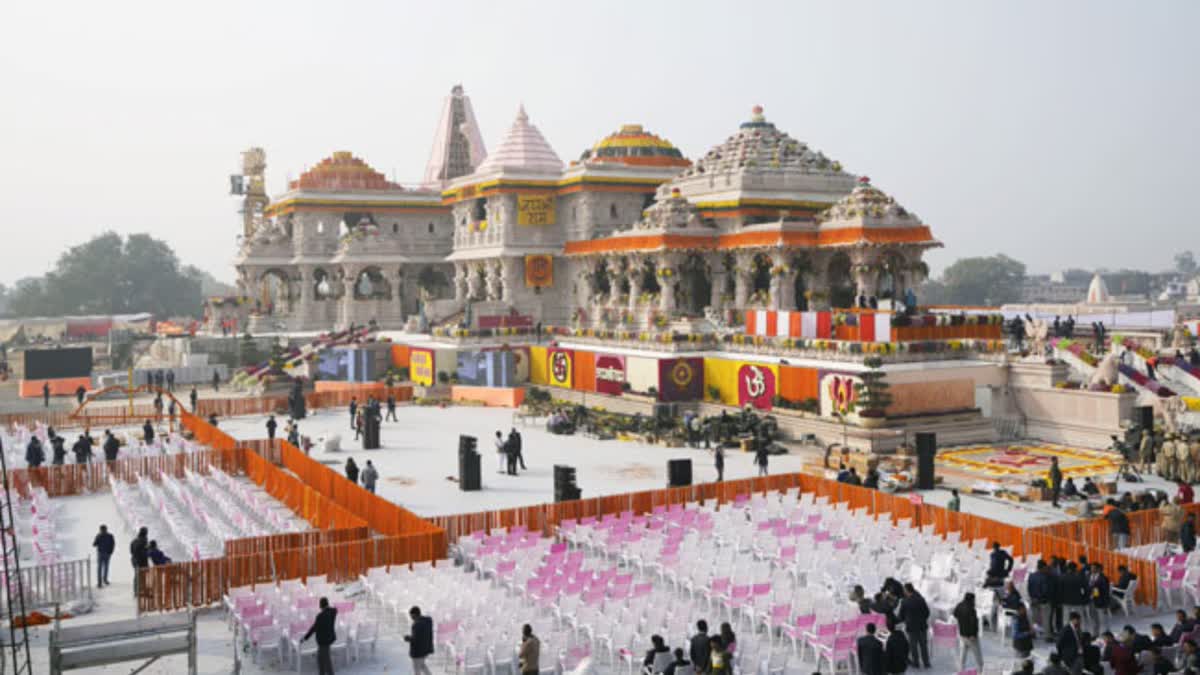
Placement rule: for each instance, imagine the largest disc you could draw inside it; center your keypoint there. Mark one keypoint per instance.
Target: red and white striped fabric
(873, 327)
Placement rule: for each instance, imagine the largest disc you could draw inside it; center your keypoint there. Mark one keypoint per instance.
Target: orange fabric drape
(798, 384)
(585, 371)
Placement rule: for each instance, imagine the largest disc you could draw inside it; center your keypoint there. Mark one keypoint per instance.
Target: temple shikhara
(629, 234)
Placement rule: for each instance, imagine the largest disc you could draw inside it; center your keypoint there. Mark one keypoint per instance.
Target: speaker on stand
(1145, 416)
(926, 453)
(469, 475)
(679, 472)
(565, 489)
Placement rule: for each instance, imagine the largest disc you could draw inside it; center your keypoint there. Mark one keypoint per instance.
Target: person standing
(35, 456)
(194, 398)
(105, 544)
(514, 437)
(698, 648)
(1056, 479)
(1099, 596)
(719, 462)
(501, 457)
(420, 641)
(46, 394)
(354, 414)
(171, 381)
(870, 653)
(1022, 640)
(171, 410)
(1069, 641)
(148, 432)
(216, 380)
(895, 651)
(1118, 526)
(271, 425)
(139, 556)
(80, 392)
(954, 504)
(391, 408)
(323, 627)
(369, 476)
(914, 612)
(760, 455)
(1187, 533)
(967, 618)
(293, 435)
(1039, 589)
(351, 470)
(530, 651)
(58, 443)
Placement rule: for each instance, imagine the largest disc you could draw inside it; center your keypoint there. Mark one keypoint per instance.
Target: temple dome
(870, 205)
(634, 146)
(1097, 293)
(523, 149)
(342, 172)
(759, 146)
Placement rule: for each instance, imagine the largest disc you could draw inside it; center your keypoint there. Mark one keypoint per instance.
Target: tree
(108, 275)
(1185, 263)
(873, 393)
(993, 280)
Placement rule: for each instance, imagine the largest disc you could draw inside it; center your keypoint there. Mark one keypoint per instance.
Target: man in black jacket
(1000, 565)
(1187, 534)
(323, 627)
(420, 641)
(968, 632)
(1118, 526)
(139, 555)
(896, 650)
(1070, 641)
(111, 446)
(105, 545)
(1039, 585)
(914, 612)
(698, 649)
(870, 653)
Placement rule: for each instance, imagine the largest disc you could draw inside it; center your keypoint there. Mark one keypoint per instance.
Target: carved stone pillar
(718, 279)
(460, 282)
(775, 290)
(742, 278)
(507, 267)
(472, 281)
(492, 270)
(667, 278)
(583, 287)
(634, 274)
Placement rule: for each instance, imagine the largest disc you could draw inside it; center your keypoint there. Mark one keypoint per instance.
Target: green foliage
(873, 393)
(989, 281)
(108, 275)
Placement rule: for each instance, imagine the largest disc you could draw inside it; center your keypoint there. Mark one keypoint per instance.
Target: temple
(631, 234)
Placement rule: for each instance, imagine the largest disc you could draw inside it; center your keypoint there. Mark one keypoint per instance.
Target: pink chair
(945, 635)
(843, 650)
(739, 597)
(800, 627)
(1173, 582)
(823, 636)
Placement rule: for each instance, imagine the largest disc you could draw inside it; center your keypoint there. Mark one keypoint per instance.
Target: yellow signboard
(420, 367)
(535, 209)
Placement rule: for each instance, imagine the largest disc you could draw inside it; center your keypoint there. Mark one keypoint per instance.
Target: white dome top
(523, 148)
(1098, 291)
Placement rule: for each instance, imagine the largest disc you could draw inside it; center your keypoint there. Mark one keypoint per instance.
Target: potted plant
(873, 394)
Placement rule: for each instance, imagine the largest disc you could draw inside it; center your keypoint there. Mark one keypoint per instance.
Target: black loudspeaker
(679, 472)
(469, 477)
(1145, 417)
(370, 439)
(926, 452)
(565, 489)
(664, 412)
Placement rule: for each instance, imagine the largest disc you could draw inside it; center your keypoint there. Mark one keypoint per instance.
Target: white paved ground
(420, 452)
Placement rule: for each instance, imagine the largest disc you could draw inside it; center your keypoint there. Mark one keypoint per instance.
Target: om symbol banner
(756, 386)
(560, 366)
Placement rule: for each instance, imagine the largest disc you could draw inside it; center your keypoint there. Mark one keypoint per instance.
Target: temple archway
(275, 294)
(892, 269)
(760, 279)
(322, 284)
(370, 284)
(841, 282)
(695, 286)
(802, 267)
(598, 276)
(434, 282)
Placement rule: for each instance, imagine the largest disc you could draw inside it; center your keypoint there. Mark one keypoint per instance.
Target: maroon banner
(610, 374)
(681, 379)
(756, 386)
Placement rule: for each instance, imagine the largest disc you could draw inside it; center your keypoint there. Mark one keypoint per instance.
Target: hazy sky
(1061, 133)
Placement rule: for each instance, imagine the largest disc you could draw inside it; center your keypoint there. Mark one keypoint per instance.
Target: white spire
(457, 144)
(523, 148)
(1098, 291)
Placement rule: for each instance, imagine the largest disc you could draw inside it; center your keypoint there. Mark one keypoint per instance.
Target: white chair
(1125, 599)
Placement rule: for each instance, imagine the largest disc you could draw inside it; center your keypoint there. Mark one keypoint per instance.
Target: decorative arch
(841, 280)
(371, 284)
(695, 285)
(274, 291)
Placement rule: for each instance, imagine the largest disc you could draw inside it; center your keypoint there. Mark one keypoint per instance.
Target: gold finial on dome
(756, 114)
